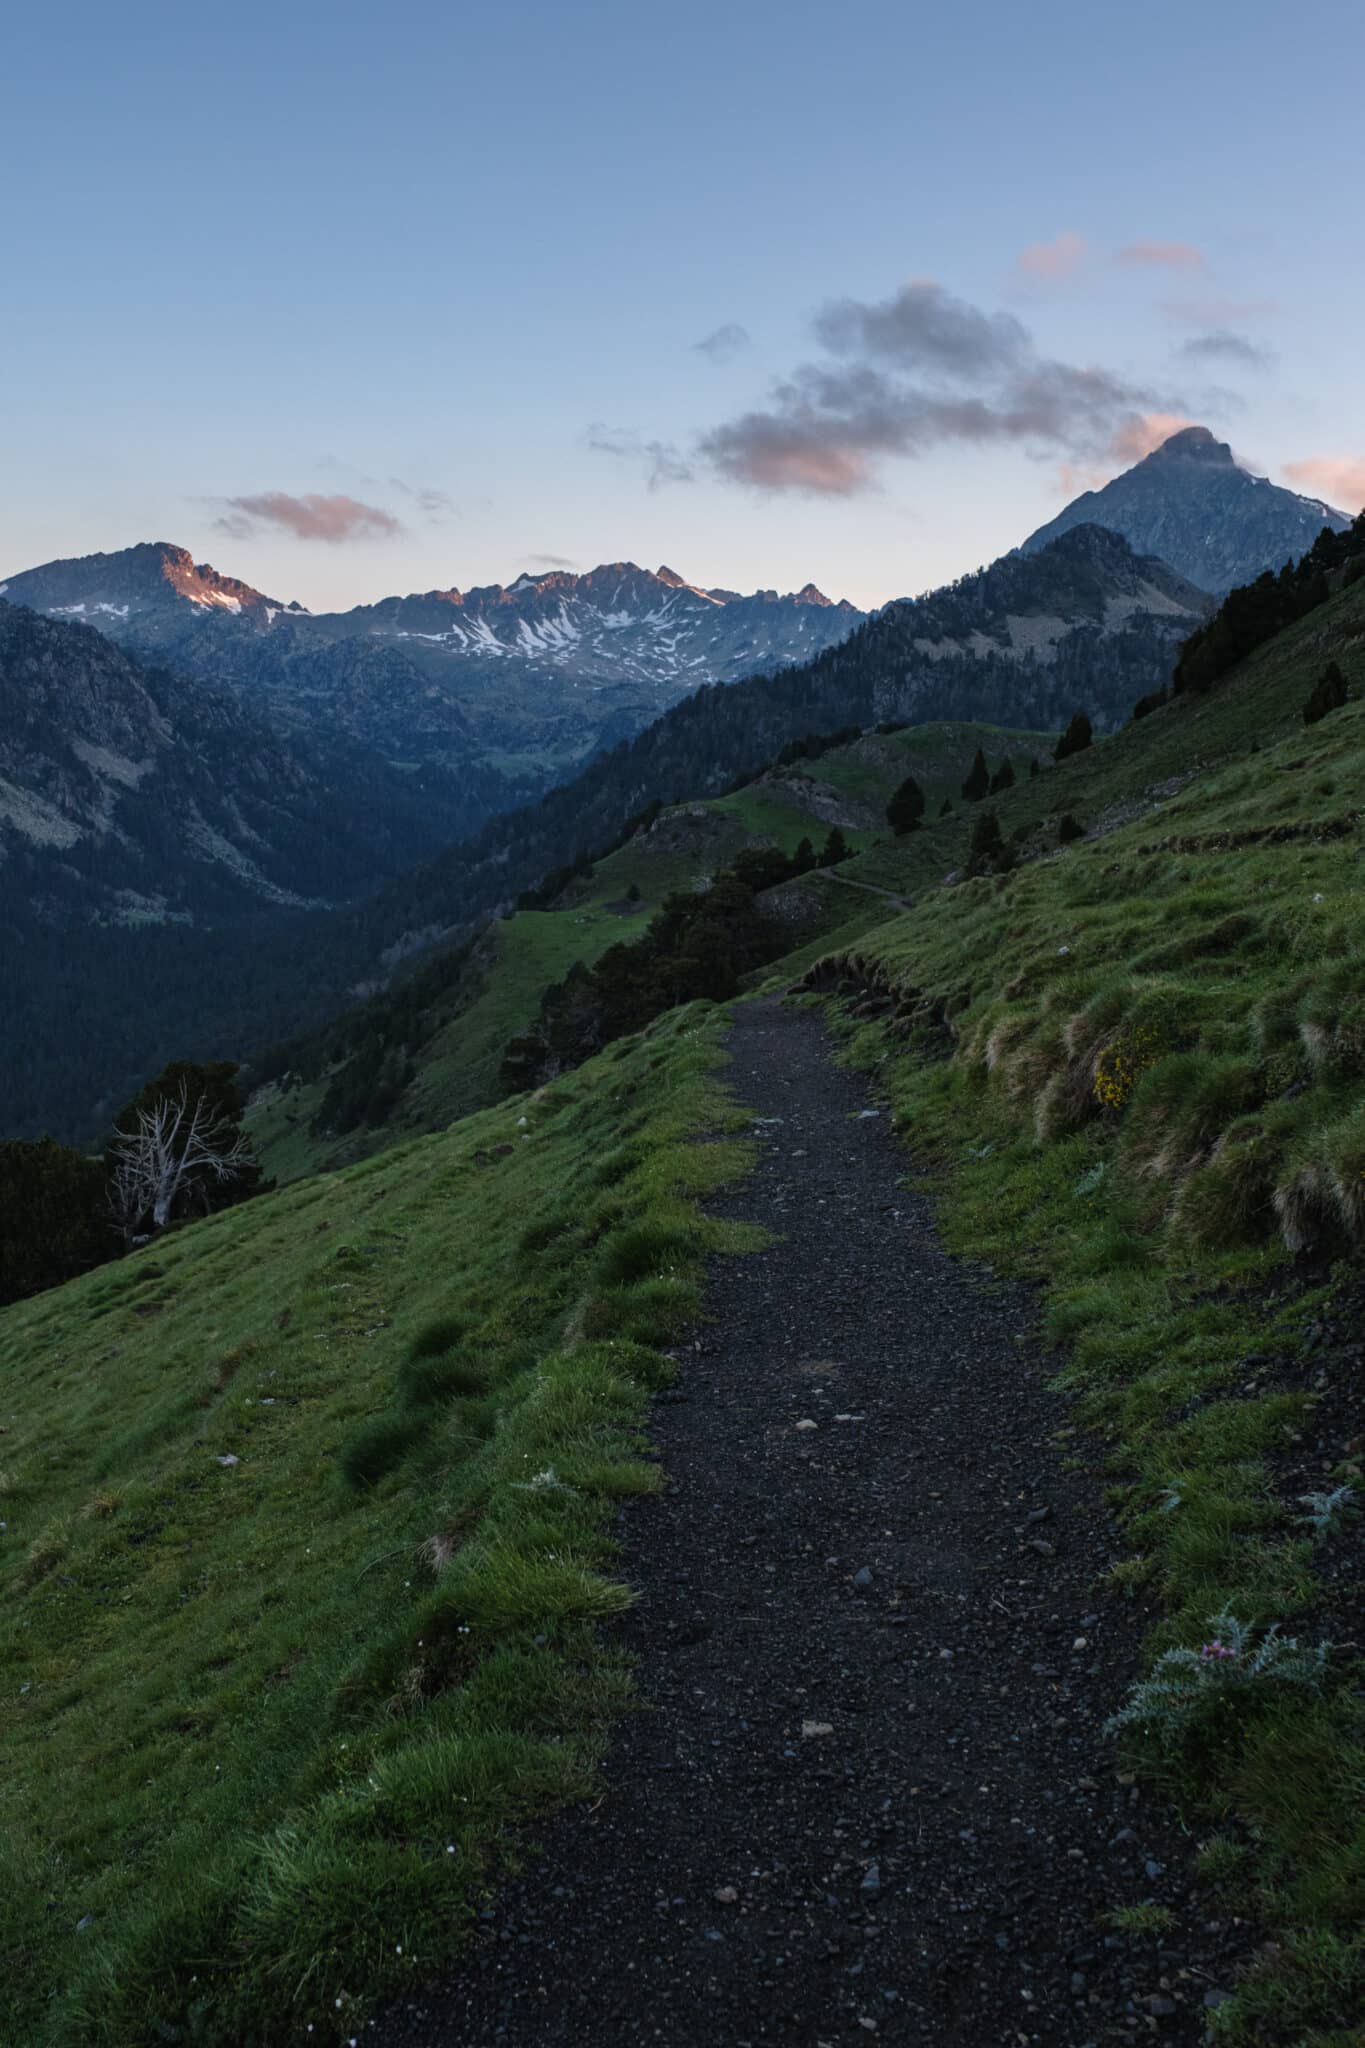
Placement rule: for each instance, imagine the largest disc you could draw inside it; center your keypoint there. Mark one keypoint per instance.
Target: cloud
(309, 517)
(723, 344)
(1340, 479)
(1223, 346)
(1213, 312)
(1055, 259)
(664, 463)
(432, 504)
(552, 561)
(1140, 436)
(918, 371)
(1164, 255)
(923, 328)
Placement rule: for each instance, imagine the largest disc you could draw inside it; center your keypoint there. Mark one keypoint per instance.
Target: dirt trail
(869, 1796)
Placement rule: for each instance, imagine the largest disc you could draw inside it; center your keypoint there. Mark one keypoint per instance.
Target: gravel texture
(868, 1794)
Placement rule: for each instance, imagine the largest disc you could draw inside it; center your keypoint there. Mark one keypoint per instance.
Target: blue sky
(391, 299)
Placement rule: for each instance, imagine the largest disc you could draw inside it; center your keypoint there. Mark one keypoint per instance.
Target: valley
(1121, 1067)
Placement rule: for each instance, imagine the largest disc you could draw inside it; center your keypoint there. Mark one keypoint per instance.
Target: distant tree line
(1256, 612)
(701, 943)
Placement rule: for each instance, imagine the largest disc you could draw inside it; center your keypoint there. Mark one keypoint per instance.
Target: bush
(1068, 829)
(1327, 694)
(987, 843)
(54, 1216)
(1075, 739)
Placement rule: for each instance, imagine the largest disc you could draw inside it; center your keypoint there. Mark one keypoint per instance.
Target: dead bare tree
(176, 1149)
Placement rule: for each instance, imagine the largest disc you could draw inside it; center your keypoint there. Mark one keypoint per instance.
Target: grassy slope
(1154, 1075)
(228, 1689)
(458, 1067)
(264, 1722)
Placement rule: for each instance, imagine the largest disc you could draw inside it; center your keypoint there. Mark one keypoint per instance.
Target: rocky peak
(1194, 444)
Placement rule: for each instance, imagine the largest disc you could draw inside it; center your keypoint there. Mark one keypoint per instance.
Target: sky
(373, 300)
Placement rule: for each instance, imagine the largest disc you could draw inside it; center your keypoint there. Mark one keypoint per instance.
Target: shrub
(1123, 1061)
(1075, 739)
(1327, 694)
(1189, 1692)
(1153, 701)
(1068, 829)
(987, 844)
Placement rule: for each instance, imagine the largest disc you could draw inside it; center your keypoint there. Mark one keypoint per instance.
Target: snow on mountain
(544, 668)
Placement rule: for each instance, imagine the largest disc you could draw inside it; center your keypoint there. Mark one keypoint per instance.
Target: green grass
(266, 1723)
(1140, 1066)
(457, 1070)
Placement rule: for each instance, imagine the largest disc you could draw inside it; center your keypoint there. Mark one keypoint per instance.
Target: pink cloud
(309, 517)
(1144, 432)
(1340, 479)
(1164, 255)
(1136, 437)
(1055, 259)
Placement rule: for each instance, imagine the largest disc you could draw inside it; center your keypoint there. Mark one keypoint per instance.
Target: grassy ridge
(1142, 1061)
(497, 996)
(265, 1720)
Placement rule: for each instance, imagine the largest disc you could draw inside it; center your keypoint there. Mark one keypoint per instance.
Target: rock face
(130, 797)
(1192, 504)
(540, 672)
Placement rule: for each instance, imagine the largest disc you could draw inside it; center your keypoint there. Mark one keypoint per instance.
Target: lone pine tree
(906, 807)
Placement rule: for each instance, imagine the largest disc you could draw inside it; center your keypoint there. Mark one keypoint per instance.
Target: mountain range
(222, 818)
(1193, 504)
(530, 678)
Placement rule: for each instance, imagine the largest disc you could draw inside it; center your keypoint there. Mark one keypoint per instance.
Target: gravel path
(870, 1797)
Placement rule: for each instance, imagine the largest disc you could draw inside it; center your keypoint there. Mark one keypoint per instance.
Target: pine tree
(978, 780)
(1068, 829)
(835, 849)
(1034, 768)
(945, 809)
(1003, 777)
(906, 807)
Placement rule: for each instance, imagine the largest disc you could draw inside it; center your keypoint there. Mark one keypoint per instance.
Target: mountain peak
(663, 574)
(1192, 505)
(1197, 444)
